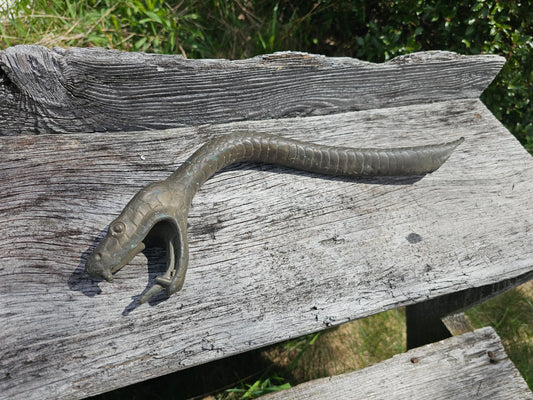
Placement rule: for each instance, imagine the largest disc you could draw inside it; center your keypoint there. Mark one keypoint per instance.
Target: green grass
(375, 31)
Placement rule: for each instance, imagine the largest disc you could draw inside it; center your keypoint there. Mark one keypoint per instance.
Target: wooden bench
(275, 253)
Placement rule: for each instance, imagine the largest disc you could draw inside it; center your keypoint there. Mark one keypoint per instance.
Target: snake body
(157, 214)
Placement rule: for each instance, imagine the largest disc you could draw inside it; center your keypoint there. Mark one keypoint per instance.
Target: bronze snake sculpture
(157, 214)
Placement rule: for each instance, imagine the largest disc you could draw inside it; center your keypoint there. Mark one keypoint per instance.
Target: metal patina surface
(157, 214)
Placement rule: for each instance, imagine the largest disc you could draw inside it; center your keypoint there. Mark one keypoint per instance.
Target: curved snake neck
(168, 201)
(327, 160)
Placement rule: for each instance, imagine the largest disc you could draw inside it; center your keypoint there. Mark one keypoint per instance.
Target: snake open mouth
(165, 234)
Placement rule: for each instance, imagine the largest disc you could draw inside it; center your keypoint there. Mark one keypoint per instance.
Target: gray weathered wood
(467, 367)
(85, 90)
(457, 324)
(274, 253)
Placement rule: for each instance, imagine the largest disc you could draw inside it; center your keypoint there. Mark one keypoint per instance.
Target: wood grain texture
(458, 324)
(86, 90)
(459, 368)
(274, 253)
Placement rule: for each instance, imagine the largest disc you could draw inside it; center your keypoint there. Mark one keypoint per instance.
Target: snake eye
(117, 228)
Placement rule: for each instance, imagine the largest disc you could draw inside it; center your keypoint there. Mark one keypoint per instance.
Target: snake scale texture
(157, 214)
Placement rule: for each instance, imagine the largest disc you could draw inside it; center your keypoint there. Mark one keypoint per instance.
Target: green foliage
(259, 388)
(149, 25)
(272, 381)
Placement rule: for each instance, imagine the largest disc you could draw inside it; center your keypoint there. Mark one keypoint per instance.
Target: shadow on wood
(80, 281)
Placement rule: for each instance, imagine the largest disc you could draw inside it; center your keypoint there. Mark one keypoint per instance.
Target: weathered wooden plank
(274, 253)
(471, 366)
(85, 90)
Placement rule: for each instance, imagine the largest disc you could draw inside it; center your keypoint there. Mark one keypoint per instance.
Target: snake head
(111, 254)
(145, 222)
